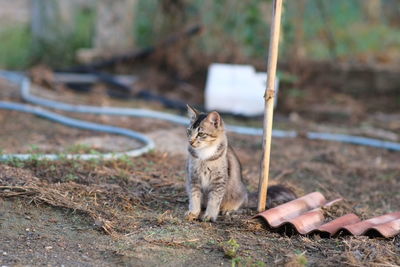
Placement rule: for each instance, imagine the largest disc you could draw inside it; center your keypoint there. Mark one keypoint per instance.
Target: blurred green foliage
(18, 49)
(227, 23)
(15, 47)
(330, 30)
(337, 29)
(62, 53)
(352, 33)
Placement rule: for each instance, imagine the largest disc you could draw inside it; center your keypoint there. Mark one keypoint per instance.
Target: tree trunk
(114, 33)
(114, 25)
(52, 21)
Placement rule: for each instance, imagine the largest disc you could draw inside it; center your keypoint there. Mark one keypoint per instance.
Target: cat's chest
(206, 153)
(210, 172)
(205, 177)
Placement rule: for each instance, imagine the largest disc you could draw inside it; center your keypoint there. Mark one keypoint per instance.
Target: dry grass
(107, 204)
(141, 202)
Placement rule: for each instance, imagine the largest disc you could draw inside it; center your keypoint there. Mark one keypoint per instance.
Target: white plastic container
(236, 89)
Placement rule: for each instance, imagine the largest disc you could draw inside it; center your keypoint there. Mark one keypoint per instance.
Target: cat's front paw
(208, 218)
(190, 216)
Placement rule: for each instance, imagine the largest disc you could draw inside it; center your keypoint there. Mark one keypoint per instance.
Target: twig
(269, 103)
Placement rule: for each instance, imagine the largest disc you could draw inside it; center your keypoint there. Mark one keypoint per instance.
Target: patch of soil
(41, 235)
(131, 211)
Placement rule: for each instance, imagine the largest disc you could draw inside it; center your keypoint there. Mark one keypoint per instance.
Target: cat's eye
(201, 134)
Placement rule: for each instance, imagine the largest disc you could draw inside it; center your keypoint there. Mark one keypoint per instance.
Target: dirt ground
(131, 211)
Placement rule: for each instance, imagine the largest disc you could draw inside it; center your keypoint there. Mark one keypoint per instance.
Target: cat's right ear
(192, 112)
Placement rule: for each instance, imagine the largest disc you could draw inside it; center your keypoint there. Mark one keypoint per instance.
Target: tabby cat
(214, 176)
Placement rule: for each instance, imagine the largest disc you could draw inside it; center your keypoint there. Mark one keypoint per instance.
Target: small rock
(48, 247)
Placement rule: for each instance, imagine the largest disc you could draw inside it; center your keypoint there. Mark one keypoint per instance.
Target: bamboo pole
(269, 103)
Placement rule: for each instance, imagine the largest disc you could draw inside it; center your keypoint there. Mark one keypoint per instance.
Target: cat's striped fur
(214, 176)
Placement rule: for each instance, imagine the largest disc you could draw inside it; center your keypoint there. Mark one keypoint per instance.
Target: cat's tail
(276, 195)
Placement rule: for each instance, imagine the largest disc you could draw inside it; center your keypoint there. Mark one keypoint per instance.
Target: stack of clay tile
(306, 216)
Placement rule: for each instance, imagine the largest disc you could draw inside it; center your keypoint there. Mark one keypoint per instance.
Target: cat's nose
(191, 141)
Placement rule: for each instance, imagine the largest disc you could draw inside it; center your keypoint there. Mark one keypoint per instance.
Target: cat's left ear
(214, 118)
(192, 112)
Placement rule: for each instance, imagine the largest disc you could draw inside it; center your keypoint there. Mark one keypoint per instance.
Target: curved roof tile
(306, 215)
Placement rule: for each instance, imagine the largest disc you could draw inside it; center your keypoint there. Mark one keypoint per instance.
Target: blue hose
(24, 83)
(25, 86)
(149, 144)
(142, 113)
(352, 139)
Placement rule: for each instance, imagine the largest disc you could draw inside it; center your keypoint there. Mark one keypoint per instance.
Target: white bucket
(237, 89)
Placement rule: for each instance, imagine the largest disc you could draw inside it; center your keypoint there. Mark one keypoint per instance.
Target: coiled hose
(24, 84)
(149, 144)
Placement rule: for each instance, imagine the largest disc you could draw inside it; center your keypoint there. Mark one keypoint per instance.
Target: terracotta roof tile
(306, 216)
(333, 227)
(385, 225)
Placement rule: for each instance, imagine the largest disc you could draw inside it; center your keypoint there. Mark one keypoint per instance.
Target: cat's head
(205, 129)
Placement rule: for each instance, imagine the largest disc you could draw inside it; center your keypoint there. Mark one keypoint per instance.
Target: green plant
(71, 177)
(79, 149)
(126, 160)
(15, 45)
(302, 260)
(15, 162)
(298, 259)
(94, 162)
(236, 261)
(230, 248)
